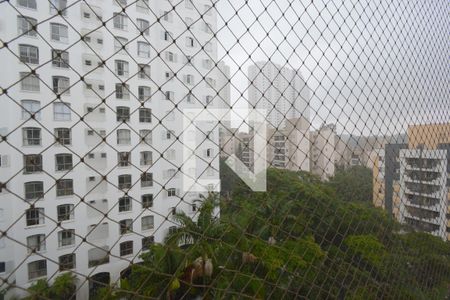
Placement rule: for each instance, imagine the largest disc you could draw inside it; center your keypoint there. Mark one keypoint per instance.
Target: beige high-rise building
(323, 151)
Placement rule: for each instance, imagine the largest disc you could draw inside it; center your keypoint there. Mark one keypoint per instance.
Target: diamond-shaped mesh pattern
(103, 109)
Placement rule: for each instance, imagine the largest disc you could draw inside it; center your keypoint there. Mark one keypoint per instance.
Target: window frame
(64, 187)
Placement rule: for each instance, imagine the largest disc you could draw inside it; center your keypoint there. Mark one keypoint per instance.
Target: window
(169, 134)
(63, 136)
(146, 158)
(124, 181)
(189, 42)
(147, 242)
(126, 248)
(31, 136)
(29, 82)
(124, 204)
(29, 54)
(189, 98)
(120, 43)
(25, 25)
(169, 95)
(65, 212)
(167, 36)
(67, 262)
(31, 108)
(27, 3)
(36, 243)
(143, 26)
(34, 190)
(170, 56)
(122, 114)
(147, 223)
(61, 84)
(145, 115)
(32, 163)
(146, 179)
(34, 216)
(171, 192)
(169, 75)
(144, 93)
(59, 32)
(124, 159)
(189, 79)
(58, 5)
(66, 237)
(125, 226)
(60, 58)
(64, 187)
(147, 200)
(63, 162)
(120, 21)
(37, 269)
(143, 49)
(145, 136)
(144, 71)
(121, 67)
(123, 136)
(61, 111)
(122, 91)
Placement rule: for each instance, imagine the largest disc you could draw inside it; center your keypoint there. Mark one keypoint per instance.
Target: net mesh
(342, 107)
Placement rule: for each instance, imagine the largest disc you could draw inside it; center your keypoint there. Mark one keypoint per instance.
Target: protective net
(224, 149)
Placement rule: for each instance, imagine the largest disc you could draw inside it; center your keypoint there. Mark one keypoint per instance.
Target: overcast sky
(372, 66)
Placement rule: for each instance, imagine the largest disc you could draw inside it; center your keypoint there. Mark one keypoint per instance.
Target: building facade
(423, 192)
(323, 151)
(281, 91)
(414, 187)
(90, 123)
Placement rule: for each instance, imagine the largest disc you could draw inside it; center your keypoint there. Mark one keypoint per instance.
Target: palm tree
(200, 237)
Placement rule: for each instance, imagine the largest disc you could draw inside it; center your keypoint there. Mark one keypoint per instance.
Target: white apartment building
(90, 118)
(323, 151)
(281, 91)
(423, 190)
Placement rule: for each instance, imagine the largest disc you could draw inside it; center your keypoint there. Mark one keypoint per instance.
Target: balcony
(421, 164)
(422, 200)
(422, 226)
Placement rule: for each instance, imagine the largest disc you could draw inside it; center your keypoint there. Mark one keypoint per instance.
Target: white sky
(372, 66)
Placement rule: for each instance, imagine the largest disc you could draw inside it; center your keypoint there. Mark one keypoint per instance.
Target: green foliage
(62, 287)
(297, 240)
(353, 184)
(368, 247)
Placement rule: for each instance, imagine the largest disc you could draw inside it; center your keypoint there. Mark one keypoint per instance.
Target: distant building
(411, 180)
(423, 190)
(287, 148)
(223, 90)
(323, 151)
(279, 90)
